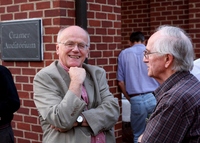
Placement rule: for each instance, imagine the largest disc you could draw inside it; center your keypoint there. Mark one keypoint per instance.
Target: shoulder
(51, 69)
(196, 66)
(4, 70)
(127, 50)
(94, 71)
(124, 52)
(197, 62)
(92, 68)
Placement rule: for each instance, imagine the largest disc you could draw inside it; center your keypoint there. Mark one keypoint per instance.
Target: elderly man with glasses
(135, 84)
(73, 98)
(169, 56)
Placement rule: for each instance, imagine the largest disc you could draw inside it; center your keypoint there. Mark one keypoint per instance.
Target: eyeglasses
(72, 45)
(147, 53)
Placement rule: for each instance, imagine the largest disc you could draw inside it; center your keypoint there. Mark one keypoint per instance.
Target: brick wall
(110, 22)
(135, 17)
(147, 15)
(104, 26)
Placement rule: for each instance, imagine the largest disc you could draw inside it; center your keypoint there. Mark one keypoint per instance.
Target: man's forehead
(73, 35)
(151, 40)
(74, 29)
(155, 35)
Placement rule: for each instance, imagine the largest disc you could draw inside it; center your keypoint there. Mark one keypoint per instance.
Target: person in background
(9, 103)
(196, 69)
(73, 98)
(169, 56)
(135, 84)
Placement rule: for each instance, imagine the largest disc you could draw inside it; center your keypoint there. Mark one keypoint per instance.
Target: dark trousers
(6, 134)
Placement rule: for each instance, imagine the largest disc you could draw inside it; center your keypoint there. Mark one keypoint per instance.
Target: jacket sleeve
(57, 107)
(105, 115)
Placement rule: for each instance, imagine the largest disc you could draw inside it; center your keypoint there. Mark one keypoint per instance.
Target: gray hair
(176, 42)
(59, 33)
(63, 28)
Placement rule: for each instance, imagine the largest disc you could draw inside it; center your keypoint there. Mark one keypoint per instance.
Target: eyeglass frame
(71, 45)
(147, 53)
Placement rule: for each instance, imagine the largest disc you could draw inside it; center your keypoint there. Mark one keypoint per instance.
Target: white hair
(176, 42)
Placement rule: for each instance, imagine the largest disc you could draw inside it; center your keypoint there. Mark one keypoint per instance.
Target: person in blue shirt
(135, 83)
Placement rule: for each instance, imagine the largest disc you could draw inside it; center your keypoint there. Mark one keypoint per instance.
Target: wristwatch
(79, 120)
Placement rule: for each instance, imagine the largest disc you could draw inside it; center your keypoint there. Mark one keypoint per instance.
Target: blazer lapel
(64, 74)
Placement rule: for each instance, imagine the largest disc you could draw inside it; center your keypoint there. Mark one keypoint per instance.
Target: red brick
(55, 12)
(29, 6)
(29, 103)
(19, 1)
(94, 23)
(94, 7)
(32, 120)
(27, 87)
(5, 17)
(14, 8)
(21, 15)
(28, 71)
(23, 110)
(102, 61)
(36, 14)
(37, 128)
(43, 5)
(23, 140)
(6, 2)
(21, 79)
(101, 15)
(107, 8)
(23, 126)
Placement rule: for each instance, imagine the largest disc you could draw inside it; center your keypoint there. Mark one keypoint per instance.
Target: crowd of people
(159, 78)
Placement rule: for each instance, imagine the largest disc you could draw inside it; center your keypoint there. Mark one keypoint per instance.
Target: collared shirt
(176, 118)
(133, 71)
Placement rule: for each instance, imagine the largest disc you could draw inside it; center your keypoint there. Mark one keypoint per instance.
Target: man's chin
(75, 65)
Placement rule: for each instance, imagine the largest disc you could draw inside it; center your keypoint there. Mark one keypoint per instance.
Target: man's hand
(140, 138)
(77, 76)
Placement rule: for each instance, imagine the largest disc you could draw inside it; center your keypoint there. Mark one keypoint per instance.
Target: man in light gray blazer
(73, 98)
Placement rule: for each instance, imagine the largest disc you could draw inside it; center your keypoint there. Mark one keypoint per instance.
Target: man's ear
(57, 49)
(88, 52)
(168, 60)
(130, 43)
